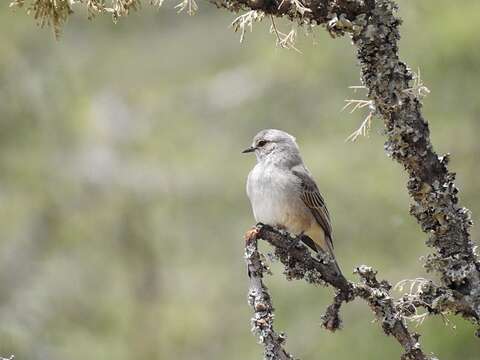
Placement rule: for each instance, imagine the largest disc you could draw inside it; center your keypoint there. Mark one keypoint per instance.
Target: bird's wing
(313, 199)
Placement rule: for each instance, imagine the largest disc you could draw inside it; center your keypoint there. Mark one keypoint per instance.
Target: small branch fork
(300, 264)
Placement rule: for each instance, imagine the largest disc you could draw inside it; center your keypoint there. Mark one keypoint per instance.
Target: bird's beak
(249, 150)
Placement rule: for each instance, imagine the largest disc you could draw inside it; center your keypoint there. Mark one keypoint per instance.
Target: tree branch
(431, 187)
(260, 301)
(299, 264)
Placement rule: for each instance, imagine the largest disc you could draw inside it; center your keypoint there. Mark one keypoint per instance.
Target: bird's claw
(251, 235)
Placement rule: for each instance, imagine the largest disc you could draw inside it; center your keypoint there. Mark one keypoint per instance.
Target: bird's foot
(251, 235)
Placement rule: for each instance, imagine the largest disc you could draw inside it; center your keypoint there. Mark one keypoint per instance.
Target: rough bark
(431, 187)
(300, 264)
(261, 303)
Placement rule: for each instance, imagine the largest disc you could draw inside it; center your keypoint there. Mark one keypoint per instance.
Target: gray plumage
(284, 194)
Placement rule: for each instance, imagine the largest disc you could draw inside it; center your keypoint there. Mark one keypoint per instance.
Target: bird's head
(272, 143)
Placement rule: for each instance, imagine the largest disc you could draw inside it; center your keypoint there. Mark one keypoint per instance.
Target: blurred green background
(122, 184)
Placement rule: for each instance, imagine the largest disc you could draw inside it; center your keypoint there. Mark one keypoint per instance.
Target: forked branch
(300, 264)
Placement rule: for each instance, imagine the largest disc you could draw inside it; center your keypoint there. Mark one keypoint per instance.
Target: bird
(283, 193)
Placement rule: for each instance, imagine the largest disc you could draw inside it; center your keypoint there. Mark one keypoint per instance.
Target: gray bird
(284, 194)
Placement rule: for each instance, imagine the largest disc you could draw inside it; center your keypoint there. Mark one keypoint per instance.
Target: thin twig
(285, 41)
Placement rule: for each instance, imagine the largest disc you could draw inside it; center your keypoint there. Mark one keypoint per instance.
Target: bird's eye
(261, 143)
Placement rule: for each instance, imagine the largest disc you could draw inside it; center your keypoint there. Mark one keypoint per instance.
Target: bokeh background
(122, 183)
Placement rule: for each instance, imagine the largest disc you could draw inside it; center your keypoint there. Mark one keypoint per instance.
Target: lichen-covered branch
(261, 303)
(373, 26)
(300, 264)
(377, 295)
(433, 192)
(55, 13)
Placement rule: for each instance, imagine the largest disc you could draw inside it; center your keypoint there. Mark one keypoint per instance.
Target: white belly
(276, 201)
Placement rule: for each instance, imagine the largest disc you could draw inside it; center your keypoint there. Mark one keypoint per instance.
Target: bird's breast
(275, 199)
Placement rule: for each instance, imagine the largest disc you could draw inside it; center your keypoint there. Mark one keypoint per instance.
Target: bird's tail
(335, 263)
(332, 255)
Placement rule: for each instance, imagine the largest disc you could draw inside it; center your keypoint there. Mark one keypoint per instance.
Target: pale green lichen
(55, 13)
